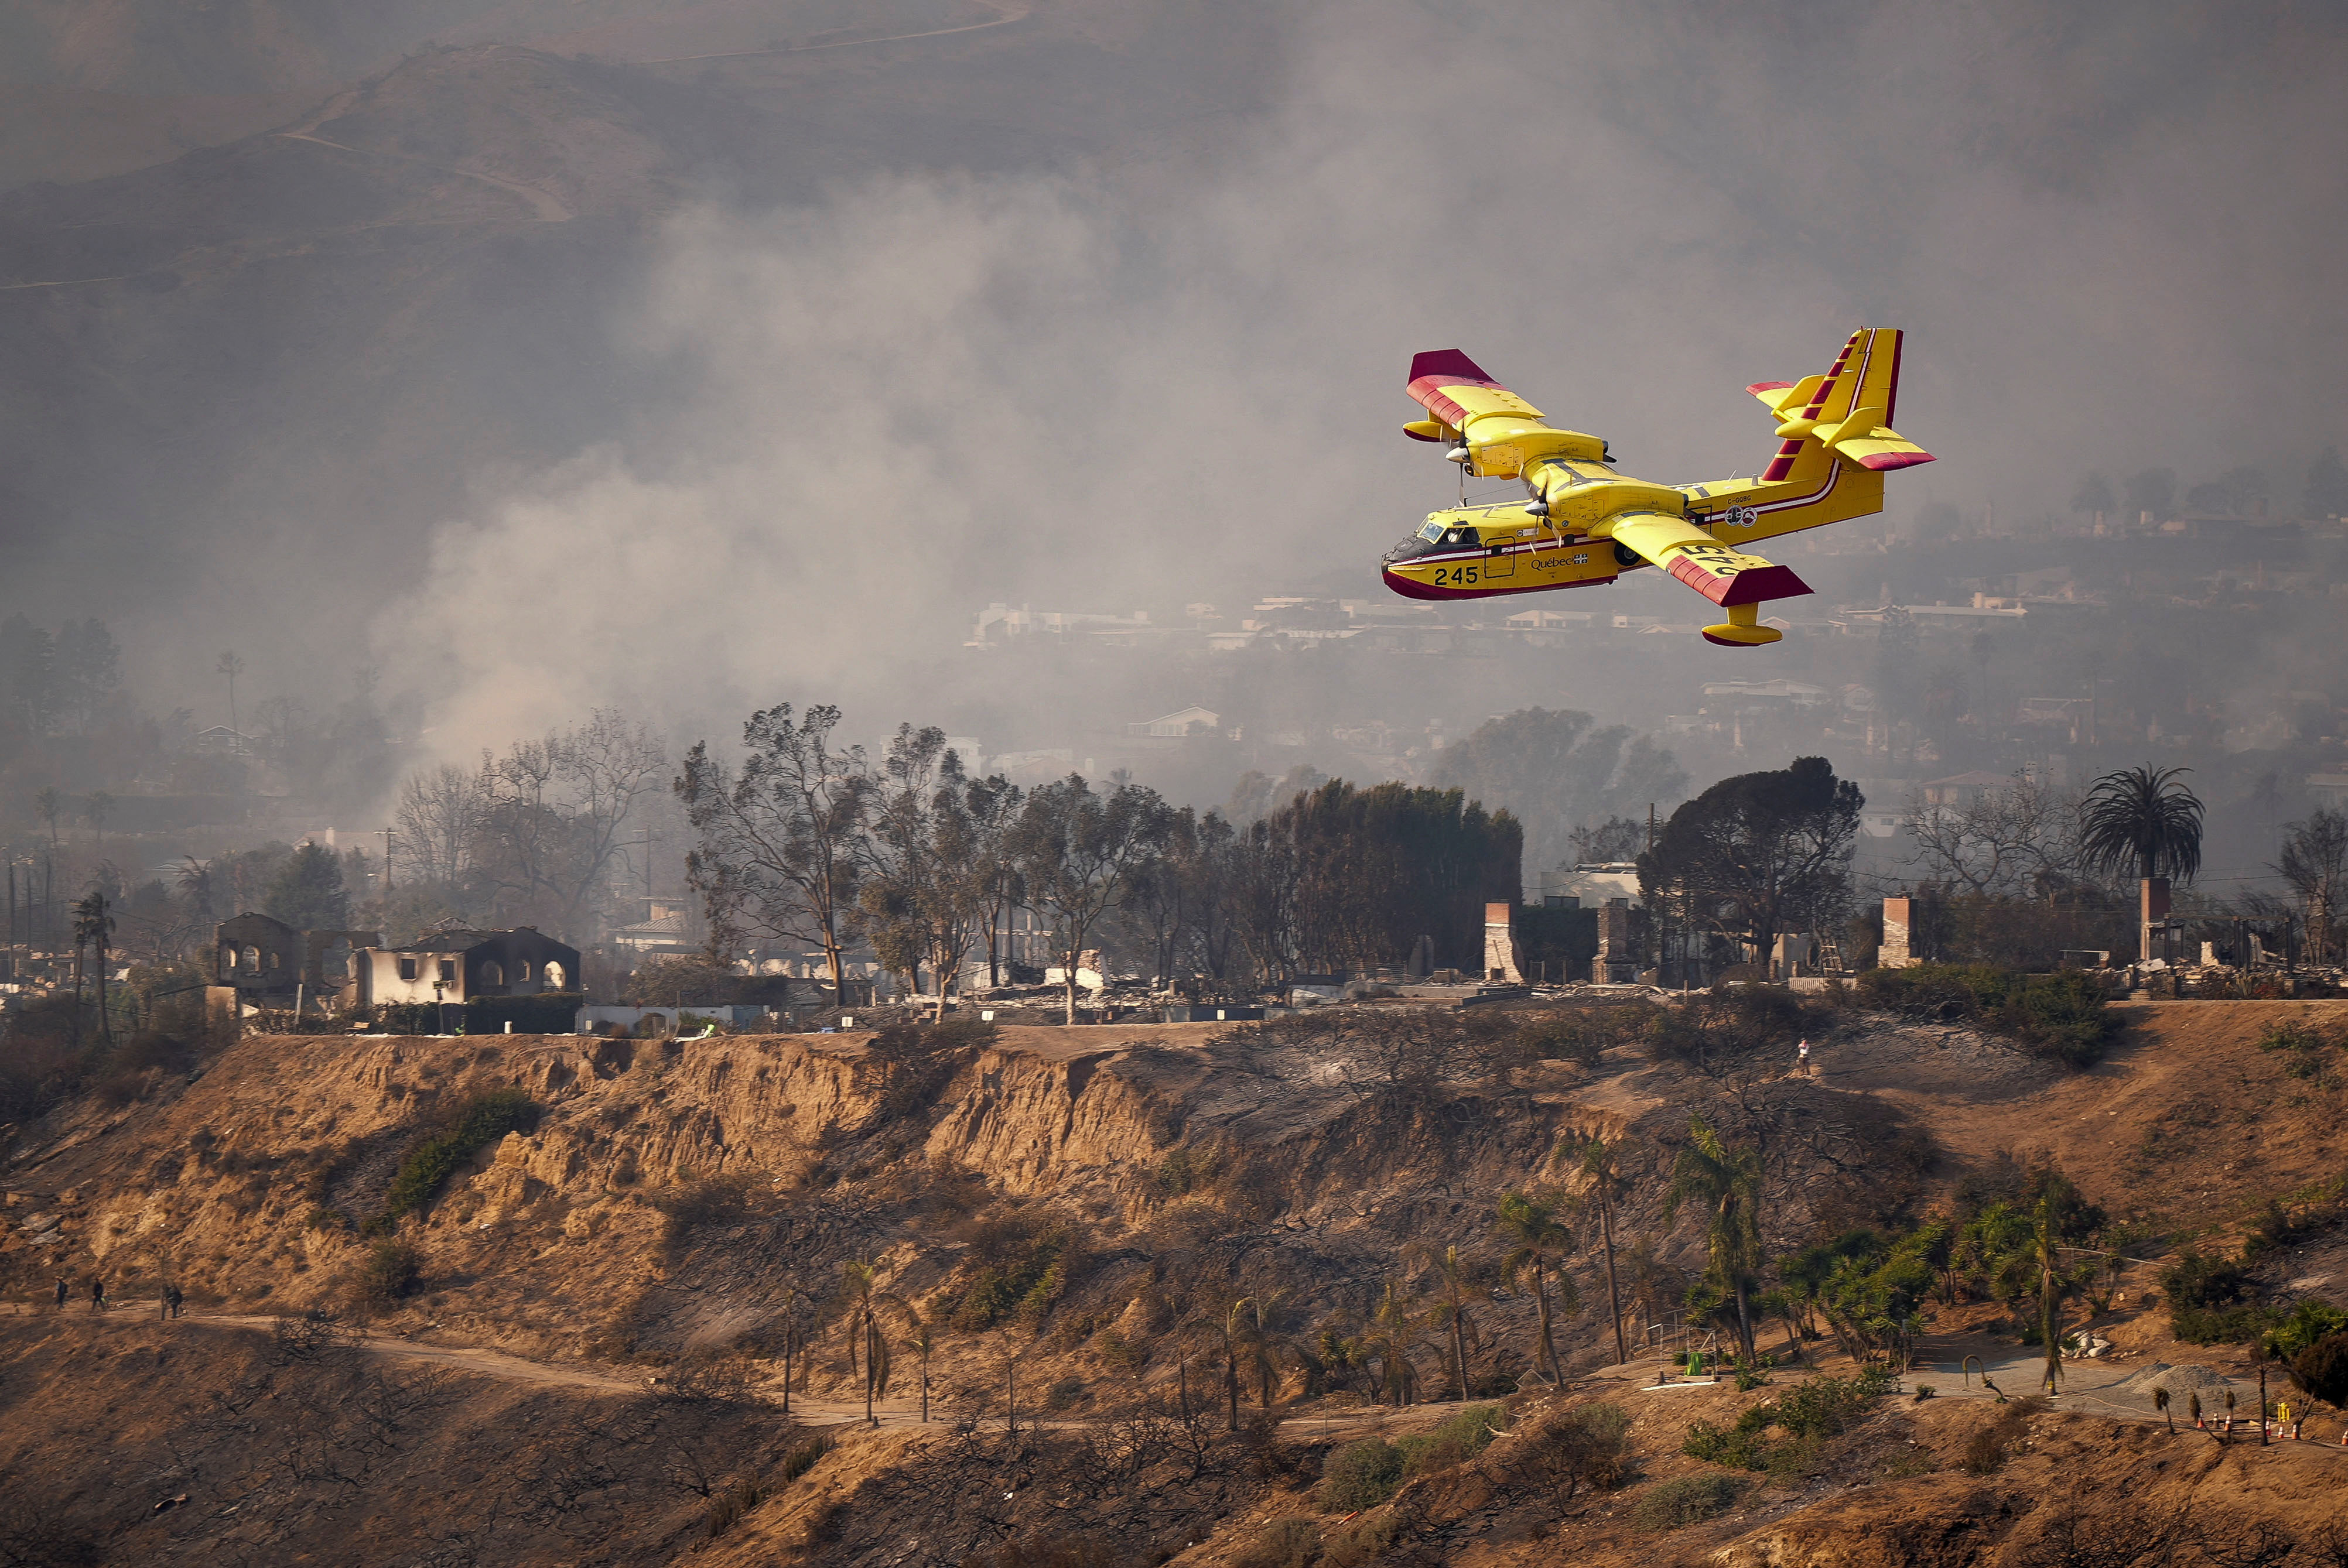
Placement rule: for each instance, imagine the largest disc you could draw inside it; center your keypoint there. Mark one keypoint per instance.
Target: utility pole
(386, 835)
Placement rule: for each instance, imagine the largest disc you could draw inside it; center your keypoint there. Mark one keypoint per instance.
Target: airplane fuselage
(1482, 551)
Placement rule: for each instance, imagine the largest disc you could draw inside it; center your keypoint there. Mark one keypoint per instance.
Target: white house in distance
(1192, 719)
(458, 965)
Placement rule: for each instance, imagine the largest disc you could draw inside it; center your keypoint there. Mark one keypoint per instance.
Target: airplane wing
(1501, 431)
(1731, 579)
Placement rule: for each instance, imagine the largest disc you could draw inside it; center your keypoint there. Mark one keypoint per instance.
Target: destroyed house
(257, 955)
(458, 965)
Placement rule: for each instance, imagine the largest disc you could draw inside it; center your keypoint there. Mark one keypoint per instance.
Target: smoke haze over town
(762, 374)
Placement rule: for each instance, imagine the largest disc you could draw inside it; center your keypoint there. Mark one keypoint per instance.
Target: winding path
(1004, 20)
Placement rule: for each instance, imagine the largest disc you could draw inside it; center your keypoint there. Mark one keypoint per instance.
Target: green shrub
(1361, 1542)
(2065, 1017)
(1741, 1446)
(1456, 1439)
(388, 1273)
(1586, 1446)
(1826, 1407)
(2209, 1301)
(2301, 1046)
(1688, 1500)
(2322, 1370)
(1065, 1394)
(1291, 1542)
(1028, 1261)
(482, 1119)
(2311, 1320)
(1360, 1475)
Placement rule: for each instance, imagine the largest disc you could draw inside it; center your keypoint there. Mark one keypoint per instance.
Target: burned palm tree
(93, 930)
(864, 1303)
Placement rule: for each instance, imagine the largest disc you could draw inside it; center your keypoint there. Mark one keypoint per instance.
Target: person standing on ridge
(62, 1293)
(97, 1293)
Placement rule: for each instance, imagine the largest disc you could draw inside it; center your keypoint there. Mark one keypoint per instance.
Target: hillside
(1068, 1195)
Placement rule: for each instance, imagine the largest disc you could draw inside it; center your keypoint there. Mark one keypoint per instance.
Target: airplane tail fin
(1848, 411)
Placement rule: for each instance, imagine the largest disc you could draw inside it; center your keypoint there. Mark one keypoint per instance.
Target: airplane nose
(1409, 588)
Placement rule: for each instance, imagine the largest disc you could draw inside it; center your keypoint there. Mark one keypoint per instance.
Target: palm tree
(1726, 1181)
(1537, 1241)
(51, 805)
(1606, 1186)
(864, 1322)
(1340, 1354)
(924, 1337)
(1389, 1338)
(1251, 1332)
(2142, 818)
(794, 1338)
(2160, 1403)
(1233, 1317)
(2047, 1239)
(1461, 1284)
(93, 927)
(96, 807)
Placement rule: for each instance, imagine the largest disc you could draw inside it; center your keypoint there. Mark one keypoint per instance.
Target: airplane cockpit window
(1432, 538)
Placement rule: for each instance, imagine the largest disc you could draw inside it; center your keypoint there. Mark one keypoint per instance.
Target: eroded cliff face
(263, 1180)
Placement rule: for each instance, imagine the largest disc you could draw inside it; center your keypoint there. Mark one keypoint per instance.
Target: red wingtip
(1883, 461)
(1760, 386)
(1449, 363)
(1752, 586)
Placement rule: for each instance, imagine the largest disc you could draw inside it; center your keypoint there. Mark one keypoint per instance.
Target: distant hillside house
(1190, 721)
(458, 965)
(662, 931)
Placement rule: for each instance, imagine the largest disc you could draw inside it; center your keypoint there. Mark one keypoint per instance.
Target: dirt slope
(675, 1205)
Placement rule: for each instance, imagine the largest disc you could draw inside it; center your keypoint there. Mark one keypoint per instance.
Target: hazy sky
(1174, 371)
(2114, 232)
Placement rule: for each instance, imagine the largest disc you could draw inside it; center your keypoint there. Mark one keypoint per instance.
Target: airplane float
(1585, 524)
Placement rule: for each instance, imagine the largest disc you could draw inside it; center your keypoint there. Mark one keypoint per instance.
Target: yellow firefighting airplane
(1585, 524)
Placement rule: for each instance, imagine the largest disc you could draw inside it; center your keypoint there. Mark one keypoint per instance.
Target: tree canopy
(1556, 771)
(308, 894)
(1757, 854)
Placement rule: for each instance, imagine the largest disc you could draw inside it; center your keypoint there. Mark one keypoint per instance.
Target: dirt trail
(547, 207)
(1008, 14)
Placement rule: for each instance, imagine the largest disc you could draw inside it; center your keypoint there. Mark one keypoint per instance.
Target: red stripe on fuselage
(1411, 589)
